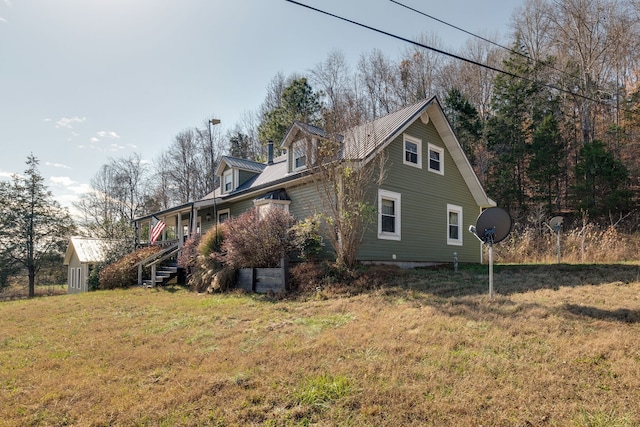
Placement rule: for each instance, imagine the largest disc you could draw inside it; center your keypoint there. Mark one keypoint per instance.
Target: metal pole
(490, 270)
(558, 245)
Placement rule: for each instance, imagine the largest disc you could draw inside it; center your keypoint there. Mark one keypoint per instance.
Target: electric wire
(510, 50)
(440, 51)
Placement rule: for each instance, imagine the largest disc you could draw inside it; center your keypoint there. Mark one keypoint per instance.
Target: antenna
(555, 224)
(492, 226)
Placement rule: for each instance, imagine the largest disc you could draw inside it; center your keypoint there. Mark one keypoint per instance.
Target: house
(81, 257)
(429, 196)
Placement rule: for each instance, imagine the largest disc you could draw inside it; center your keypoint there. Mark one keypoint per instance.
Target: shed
(82, 255)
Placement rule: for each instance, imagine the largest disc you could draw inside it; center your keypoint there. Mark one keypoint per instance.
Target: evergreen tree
(601, 182)
(545, 166)
(33, 226)
(465, 121)
(509, 131)
(298, 103)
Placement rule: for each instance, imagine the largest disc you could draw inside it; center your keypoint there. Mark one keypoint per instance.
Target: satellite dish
(492, 226)
(556, 222)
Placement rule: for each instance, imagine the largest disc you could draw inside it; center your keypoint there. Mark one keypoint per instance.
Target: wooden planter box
(264, 280)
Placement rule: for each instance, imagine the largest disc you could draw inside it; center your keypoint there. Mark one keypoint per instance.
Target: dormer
(301, 143)
(235, 173)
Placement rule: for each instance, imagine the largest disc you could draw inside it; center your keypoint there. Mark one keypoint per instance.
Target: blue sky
(82, 81)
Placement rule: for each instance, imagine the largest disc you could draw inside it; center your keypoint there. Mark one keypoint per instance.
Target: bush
(121, 273)
(307, 238)
(255, 240)
(199, 258)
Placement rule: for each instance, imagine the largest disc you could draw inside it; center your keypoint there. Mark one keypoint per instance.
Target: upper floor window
(227, 178)
(436, 159)
(412, 151)
(299, 155)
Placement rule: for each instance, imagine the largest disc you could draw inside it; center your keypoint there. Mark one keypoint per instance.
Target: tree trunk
(32, 282)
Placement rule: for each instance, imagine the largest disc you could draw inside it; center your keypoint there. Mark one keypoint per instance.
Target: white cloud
(108, 134)
(62, 181)
(93, 140)
(67, 122)
(57, 165)
(5, 174)
(2, 19)
(116, 147)
(8, 3)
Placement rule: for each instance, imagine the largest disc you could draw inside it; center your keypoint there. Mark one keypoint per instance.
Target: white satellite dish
(492, 226)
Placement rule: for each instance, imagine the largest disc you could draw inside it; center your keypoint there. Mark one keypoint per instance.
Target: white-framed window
(436, 159)
(79, 278)
(299, 155)
(389, 215)
(72, 278)
(454, 225)
(227, 180)
(412, 151)
(223, 215)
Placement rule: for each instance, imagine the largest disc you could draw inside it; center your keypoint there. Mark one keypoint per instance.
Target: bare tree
(376, 73)
(119, 193)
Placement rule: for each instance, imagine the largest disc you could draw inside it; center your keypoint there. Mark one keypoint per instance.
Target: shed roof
(88, 250)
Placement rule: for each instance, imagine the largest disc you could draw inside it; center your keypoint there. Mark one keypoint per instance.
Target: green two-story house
(428, 198)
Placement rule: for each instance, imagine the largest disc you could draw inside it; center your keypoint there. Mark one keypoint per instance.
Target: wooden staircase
(163, 267)
(164, 273)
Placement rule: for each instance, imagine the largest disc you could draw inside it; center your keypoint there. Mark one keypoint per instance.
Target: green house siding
(423, 207)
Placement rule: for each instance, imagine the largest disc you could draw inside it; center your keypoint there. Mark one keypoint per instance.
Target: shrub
(121, 273)
(307, 238)
(258, 240)
(200, 259)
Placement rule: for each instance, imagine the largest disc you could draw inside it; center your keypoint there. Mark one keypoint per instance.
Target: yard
(557, 346)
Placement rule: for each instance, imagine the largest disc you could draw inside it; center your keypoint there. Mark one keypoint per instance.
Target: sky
(84, 81)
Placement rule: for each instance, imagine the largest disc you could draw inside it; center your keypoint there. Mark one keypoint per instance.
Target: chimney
(270, 153)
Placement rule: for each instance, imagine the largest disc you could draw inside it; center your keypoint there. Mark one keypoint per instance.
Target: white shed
(82, 255)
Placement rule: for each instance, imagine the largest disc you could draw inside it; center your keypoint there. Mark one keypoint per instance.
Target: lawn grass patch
(556, 346)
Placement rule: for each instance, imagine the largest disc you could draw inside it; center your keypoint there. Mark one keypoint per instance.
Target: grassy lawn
(557, 346)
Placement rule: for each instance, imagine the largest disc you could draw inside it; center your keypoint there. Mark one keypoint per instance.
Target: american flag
(156, 228)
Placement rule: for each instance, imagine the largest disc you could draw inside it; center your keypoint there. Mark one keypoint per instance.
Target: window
(228, 180)
(299, 155)
(412, 151)
(388, 215)
(79, 279)
(223, 216)
(72, 278)
(436, 159)
(454, 225)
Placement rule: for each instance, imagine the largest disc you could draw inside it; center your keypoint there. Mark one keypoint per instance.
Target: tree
(33, 226)
(119, 193)
(343, 180)
(601, 187)
(299, 102)
(509, 131)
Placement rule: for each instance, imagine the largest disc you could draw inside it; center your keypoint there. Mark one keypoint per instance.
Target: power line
(451, 55)
(515, 52)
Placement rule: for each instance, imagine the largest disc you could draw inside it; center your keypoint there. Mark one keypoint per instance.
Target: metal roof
(243, 164)
(88, 250)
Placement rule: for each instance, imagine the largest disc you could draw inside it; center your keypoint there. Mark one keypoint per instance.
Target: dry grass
(556, 347)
